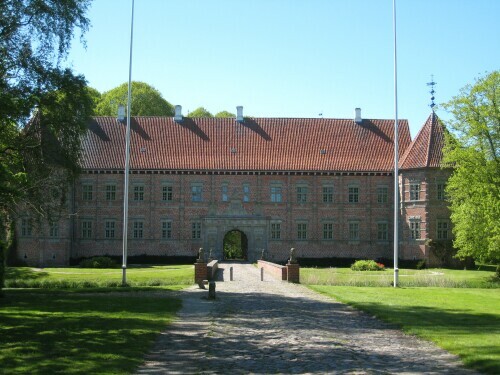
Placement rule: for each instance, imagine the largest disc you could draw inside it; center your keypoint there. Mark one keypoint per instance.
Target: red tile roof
(426, 150)
(258, 144)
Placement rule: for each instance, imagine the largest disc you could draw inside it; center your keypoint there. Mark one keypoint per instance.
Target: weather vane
(432, 84)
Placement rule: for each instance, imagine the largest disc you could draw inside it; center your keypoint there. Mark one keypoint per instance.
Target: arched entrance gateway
(235, 246)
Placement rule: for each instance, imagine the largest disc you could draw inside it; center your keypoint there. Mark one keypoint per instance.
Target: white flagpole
(127, 156)
(396, 172)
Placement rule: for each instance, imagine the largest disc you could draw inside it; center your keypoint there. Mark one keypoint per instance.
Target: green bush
(421, 264)
(367, 265)
(98, 262)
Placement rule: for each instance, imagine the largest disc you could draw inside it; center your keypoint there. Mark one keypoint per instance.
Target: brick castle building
(322, 186)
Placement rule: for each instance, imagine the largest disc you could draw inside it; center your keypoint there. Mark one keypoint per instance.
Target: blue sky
(293, 58)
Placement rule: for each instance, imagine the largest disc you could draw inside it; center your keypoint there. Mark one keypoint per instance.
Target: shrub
(98, 262)
(367, 265)
(421, 264)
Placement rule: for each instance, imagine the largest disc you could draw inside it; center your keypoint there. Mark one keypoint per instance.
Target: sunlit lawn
(407, 277)
(75, 277)
(47, 332)
(464, 321)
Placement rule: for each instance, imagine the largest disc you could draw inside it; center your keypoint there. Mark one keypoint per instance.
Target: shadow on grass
(44, 333)
(25, 273)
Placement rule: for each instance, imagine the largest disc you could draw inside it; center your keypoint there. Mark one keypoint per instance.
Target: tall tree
(200, 112)
(473, 149)
(146, 101)
(43, 106)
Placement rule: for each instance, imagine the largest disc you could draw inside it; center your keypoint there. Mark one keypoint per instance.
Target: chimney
(358, 119)
(239, 113)
(178, 113)
(121, 113)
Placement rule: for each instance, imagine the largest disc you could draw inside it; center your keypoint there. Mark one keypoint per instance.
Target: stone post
(293, 268)
(200, 269)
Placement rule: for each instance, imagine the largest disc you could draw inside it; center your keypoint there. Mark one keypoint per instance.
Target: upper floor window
(166, 229)
(414, 192)
(302, 231)
(353, 231)
(441, 193)
(225, 196)
(87, 190)
(415, 229)
(382, 231)
(328, 231)
(86, 229)
(327, 194)
(302, 194)
(167, 193)
(110, 192)
(353, 194)
(196, 230)
(196, 193)
(382, 194)
(443, 227)
(275, 231)
(246, 193)
(26, 227)
(109, 229)
(276, 194)
(54, 230)
(138, 229)
(139, 193)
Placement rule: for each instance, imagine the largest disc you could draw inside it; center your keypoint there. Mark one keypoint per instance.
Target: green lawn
(47, 332)
(436, 277)
(75, 277)
(463, 321)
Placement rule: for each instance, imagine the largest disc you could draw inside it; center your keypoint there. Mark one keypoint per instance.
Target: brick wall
(254, 217)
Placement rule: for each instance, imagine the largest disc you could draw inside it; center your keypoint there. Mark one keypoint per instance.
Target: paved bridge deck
(274, 327)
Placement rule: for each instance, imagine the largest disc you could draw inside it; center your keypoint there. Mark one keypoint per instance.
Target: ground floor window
(87, 229)
(138, 231)
(166, 229)
(275, 231)
(382, 232)
(415, 230)
(442, 229)
(109, 229)
(196, 230)
(328, 231)
(302, 231)
(353, 231)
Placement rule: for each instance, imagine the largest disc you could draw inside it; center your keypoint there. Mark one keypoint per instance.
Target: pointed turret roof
(426, 150)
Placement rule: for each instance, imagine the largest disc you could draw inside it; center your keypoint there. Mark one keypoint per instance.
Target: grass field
(55, 332)
(437, 277)
(463, 321)
(75, 277)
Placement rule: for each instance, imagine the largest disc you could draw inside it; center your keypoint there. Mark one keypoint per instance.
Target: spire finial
(432, 84)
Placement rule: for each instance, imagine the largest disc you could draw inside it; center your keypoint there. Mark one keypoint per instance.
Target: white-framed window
(302, 192)
(327, 194)
(167, 193)
(54, 230)
(110, 192)
(138, 192)
(276, 194)
(328, 231)
(414, 191)
(353, 231)
(443, 227)
(276, 231)
(302, 231)
(166, 229)
(109, 229)
(415, 229)
(87, 192)
(196, 230)
(26, 227)
(86, 227)
(441, 192)
(138, 229)
(353, 194)
(246, 193)
(382, 231)
(225, 196)
(382, 194)
(196, 192)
